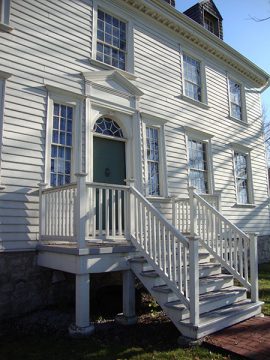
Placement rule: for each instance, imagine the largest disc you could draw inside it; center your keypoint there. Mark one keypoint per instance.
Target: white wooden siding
(51, 43)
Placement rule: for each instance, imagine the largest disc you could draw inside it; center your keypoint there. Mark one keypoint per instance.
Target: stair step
(210, 301)
(138, 259)
(215, 283)
(150, 273)
(219, 319)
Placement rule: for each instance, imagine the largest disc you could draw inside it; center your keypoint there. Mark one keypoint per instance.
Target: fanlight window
(109, 127)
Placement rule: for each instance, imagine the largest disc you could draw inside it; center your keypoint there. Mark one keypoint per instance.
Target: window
(111, 40)
(152, 150)
(198, 174)
(241, 177)
(61, 145)
(192, 78)
(109, 127)
(209, 25)
(4, 12)
(235, 97)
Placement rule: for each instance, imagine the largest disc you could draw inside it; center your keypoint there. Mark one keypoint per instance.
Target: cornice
(194, 33)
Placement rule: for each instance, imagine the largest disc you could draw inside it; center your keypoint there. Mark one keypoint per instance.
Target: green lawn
(153, 338)
(264, 286)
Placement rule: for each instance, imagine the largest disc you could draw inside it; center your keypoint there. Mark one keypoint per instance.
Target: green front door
(110, 168)
(109, 161)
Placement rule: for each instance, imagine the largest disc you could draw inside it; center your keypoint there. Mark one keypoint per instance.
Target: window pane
(152, 150)
(235, 99)
(61, 145)
(198, 166)
(192, 78)
(241, 177)
(111, 36)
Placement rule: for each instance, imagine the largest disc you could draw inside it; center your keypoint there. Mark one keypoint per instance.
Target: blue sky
(250, 38)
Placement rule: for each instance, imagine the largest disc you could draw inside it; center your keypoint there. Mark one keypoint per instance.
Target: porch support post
(254, 267)
(82, 326)
(130, 211)
(194, 280)
(218, 193)
(80, 210)
(128, 317)
(42, 211)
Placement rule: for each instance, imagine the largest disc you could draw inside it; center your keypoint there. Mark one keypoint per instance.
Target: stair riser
(209, 271)
(215, 286)
(229, 321)
(209, 306)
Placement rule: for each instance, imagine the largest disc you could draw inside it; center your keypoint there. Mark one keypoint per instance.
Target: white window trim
(158, 123)
(123, 16)
(4, 20)
(204, 102)
(245, 150)
(63, 97)
(244, 119)
(3, 78)
(198, 135)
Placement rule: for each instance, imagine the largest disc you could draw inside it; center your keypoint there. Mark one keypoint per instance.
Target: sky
(250, 38)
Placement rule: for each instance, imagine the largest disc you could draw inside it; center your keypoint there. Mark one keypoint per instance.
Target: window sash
(153, 166)
(198, 167)
(241, 177)
(61, 145)
(111, 40)
(192, 78)
(235, 99)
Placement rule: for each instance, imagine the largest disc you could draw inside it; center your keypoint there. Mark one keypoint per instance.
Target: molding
(194, 33)
(197, 133)
(66, 93)
(112, 106)
(195, 102)
(110, 90)
(115, 75)
(5, 75)
(240, 147)
(104, 66)
(155, 120)
(6, 28)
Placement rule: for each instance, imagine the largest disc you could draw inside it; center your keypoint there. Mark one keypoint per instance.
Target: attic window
(211, 23)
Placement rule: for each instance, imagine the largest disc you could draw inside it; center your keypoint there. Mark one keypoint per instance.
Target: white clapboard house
(130, 140)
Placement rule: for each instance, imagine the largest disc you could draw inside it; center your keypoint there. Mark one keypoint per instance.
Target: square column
(128, 317)
(82, 326)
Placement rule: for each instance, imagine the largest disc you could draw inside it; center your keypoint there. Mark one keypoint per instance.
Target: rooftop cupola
(171, 2)
(206, 14)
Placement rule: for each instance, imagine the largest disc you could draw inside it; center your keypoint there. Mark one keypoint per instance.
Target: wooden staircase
(169, 271)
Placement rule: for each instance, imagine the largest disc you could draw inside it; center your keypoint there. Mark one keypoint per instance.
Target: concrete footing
(80, 332)
(126, 320)
(185, 342)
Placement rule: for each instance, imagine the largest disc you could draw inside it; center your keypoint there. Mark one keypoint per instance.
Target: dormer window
(208, 24)
(211, 23)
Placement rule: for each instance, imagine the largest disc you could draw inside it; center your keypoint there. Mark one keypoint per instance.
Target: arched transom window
(106, 126)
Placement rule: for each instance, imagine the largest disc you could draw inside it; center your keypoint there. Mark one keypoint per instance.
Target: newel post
(80, 210)
(193, 211)
(174, 211)
(194, 280)
(130, 210)
(42, 211)
(218, 193)
(254, 267)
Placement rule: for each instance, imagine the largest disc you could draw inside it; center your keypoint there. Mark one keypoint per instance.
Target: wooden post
(174, 211)
(82, 326)
(42, 211)
(129, 314)
(194, 280)
(254, 267)
(80, 210)
(193, 211)
(130, 210)
(219, 204)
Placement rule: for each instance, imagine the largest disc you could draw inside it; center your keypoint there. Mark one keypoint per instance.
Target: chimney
(171, 2)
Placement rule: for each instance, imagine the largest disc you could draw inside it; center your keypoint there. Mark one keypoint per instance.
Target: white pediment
(112, 81)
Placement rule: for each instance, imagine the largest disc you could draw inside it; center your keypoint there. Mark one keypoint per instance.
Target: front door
(109, 161)
(109, 168)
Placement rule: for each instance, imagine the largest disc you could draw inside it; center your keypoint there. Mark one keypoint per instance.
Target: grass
(264, 286)
(153, 338)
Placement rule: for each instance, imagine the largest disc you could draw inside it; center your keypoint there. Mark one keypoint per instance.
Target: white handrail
(166, 250)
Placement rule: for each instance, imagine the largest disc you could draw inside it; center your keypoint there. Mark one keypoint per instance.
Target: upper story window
(61, 145)
(209, 24)
(235, 96)
(4, 12)
(192, 78)
(111, 40)
(198, 169)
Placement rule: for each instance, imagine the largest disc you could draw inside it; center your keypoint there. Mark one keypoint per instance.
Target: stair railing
(170, 254)
(235, 250)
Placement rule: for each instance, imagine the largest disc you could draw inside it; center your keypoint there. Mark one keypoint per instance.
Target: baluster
(113, 213)
(230, 247)
(149, 217)
(159, 243)
(164, 248)
(100, 201)
(194, 281)
(145, 228)
(154, 237)
(246, 260)
(180, 278)
(240, 252)
(185, 272)
(226, 243)
(142, 236)
(219, 244)
(173, 259)
(94, 207)
(235, 251)
(169, 252)
(55, 213)
(199, 219)
(107, 212)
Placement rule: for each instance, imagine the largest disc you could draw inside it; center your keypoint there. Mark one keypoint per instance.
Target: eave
(201, 38)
